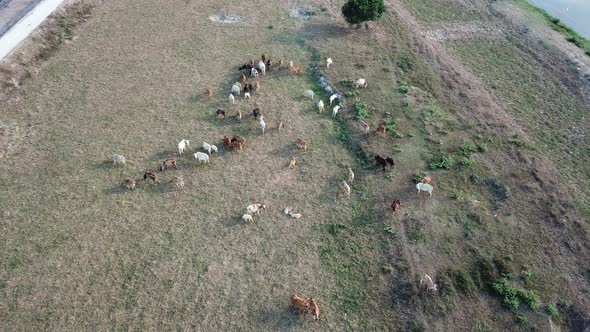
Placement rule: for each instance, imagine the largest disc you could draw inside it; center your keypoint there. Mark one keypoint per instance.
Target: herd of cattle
(237, 143)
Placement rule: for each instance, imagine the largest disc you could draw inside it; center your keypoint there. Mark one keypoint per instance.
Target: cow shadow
(279, 319)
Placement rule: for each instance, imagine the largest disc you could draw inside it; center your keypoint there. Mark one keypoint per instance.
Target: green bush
(466, 161)
(406, 61)
(522, 320)
(467, 149)
(403, 88)
(418, 176)
(529, 297)
(358, 11)
(552, 311)
(445, 163)
(482, 147)
(391, 125)
(361, 109)
(509, 293)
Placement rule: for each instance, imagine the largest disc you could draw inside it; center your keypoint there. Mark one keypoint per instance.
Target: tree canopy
(358, 11)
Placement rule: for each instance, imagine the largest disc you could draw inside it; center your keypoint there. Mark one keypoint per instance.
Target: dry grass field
(486, 115)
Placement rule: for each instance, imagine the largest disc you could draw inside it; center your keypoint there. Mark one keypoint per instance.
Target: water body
(574, 13)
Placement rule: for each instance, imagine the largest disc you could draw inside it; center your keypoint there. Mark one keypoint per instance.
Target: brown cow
(268, 64)
(263, 57)
(292, 163)
(257, 86)
(221, 113)
(150, 176)
(256, 112)
(239, 115)
(242, 78)
(313, 306)
(301, 144)
(281, 125)
(396, 206)
(239, 139)
(381, 129)
(227, 141)
(380, 161)
(427, 180)
(295, 69)
(301, 304)
(129, 184)
(208, 93)
(169, 162)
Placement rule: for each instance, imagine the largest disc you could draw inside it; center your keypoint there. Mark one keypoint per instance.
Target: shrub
(467, 149)
(526, 275)
(403, 88)
(552, 311)
(392, 126)
(523, 320)
(361, 109)
(406, 61)
(386, 269)
(467, 161)
(445, 163)
(510, 294)
(555, 20)
(347, 83)
(482, 147)
(457, 195)
(529, 297)
(358, 11)
(418, 176)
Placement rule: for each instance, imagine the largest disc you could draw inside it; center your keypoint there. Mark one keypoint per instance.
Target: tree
(358, 11)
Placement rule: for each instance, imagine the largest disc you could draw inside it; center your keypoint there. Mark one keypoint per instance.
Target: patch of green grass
(406, 61)
(360, 109)
(387, 269)
(529, 297)
(445, 163)
(552, 311)
(522, 320)
(569, 34)
(392, 126)
(431, 12)
(403, 88)
(418, 176)
(466, 162)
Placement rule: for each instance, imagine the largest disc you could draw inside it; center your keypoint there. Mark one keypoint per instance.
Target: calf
(239, 115)
(315, 310)
(232, 99)
(150, 176)
(295, 70)
(281, 126)
(247, 217)
(221, 113)
(427, 283)
(395, 206)
(256, 112)
(242, 78)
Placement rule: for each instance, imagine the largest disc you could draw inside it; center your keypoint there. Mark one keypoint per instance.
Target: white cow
(329, 62)
(424, 187)
(361, 82)
(262, 67)
(214, 148)
(232, 99)
(262, 124)
(254, 72)
(235, 89)
(207, 147)
(309, 94)
(320, 106)
(333, 97)
(119, 159)
(335, 110)
(200, 156)
(426, 282)
(182, 145)
(247, 217)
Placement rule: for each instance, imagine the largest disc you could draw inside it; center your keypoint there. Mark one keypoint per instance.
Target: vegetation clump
(359, 11)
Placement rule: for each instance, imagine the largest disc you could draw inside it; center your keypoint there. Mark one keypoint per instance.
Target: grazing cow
(150, 176)
(427, 180)
(315, 310)
(236, 146)
(424, 187)
(247, 95)
(268, 64)
(302, 144)
(291, 64)
(119, 159)
(256, 86)
(427, 283)
(214, 148)
(169, 162)
(208, 93)
(256, 112)
(364, 127)
(207, 147)
(202, 157)
(252, 62)
(345, 188)
(129, 184)
(263, 57)
(309, 94)
(396, 206)
(255, 208)
(246, 66)
(239, 139)
(299, 303)
(182, 145)
(292, 163)
(288, 210)
(381, 129)
(295, 69)
(246, 90)
(242, 77)
(247, 217)
(295, 215)
(361, 82)
(235, 89)
(380, 161)
(329, 62)
(335, 110)
(350, 175)
(253, 72)
(239, 115)
(177, 182)
(281, 126)
(280, 63)
(262, 124)
(390, 162)
(220, 113)
(262, 67)
(333, 97)
(320, 106)
(232, 99)
(250, 87)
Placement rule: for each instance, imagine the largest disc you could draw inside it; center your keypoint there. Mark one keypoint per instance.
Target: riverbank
(556, 24)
